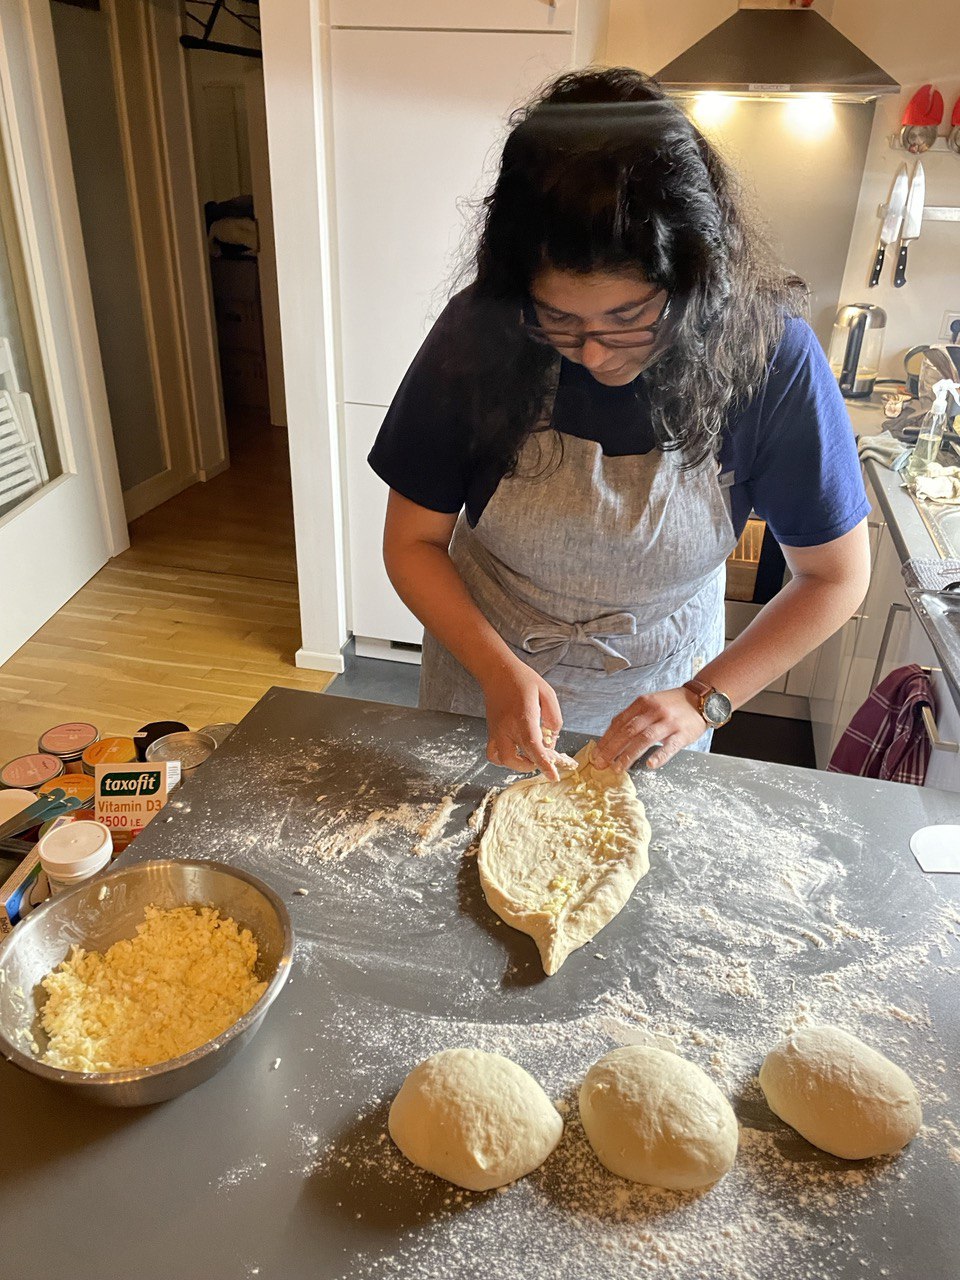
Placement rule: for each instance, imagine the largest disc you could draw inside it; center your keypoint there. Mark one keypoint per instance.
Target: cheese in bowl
(187, 975)
(200, 939)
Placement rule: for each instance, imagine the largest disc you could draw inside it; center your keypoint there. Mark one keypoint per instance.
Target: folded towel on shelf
(930, 573)
(883, 448)
(886, 738)
(940, 485)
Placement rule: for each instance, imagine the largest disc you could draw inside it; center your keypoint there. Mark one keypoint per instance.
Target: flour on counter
(756, 917)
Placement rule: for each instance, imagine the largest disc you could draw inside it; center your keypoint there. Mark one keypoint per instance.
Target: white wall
(775, 156)
(916, 46)
(640, 34)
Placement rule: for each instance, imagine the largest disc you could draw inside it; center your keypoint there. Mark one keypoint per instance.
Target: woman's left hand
(670, 717)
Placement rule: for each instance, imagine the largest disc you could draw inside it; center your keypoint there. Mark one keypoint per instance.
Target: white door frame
(292, 36)
(61, 535)
(152, 106)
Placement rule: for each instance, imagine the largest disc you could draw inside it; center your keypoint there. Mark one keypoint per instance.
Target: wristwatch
(715, 707)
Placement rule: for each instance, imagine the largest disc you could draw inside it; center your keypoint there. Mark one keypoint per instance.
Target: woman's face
(601, 302)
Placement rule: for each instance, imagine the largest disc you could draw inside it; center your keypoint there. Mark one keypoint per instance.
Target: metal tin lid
(76, 849)
(149, 733)
(218, 732)
(109, 751)
(191, 749)
(30, 771)
(71, 784)
(68, 740)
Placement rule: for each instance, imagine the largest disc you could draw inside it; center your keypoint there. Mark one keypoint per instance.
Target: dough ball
(474, 1118)
(653, 1117)
(840, 1094)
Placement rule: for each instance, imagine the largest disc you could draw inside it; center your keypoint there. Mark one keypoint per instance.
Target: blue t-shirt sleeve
(804, 477)
(422, 449)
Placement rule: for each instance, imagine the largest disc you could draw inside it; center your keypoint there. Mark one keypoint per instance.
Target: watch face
(717, 708)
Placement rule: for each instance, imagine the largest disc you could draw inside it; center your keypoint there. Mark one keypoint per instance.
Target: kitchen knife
(912, 219)
(891, 221)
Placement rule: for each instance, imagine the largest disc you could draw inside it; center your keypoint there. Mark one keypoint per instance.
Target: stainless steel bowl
(96, 915)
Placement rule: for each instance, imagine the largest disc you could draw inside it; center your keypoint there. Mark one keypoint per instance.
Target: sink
(943, 524)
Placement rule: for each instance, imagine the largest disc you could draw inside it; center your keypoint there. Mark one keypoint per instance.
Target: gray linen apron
(604, 574)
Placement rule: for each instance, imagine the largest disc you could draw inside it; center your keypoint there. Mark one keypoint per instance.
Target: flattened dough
(558, 860)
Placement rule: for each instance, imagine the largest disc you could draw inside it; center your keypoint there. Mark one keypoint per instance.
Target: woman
(576, 448)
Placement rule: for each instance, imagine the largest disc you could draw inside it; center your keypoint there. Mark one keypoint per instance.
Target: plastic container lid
(14, 801)
(77, 815)
(75, 850)
(30, 771)
(68, 740)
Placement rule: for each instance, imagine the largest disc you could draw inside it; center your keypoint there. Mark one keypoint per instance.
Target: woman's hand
(523, 719)
(670, 717)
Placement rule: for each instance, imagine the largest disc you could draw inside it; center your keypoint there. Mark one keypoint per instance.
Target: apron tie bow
(555, 638)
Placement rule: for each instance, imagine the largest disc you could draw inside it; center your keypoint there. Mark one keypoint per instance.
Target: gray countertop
(912, 540)
(775, 895)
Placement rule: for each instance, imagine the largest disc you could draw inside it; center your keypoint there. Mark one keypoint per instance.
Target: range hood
(764, 51)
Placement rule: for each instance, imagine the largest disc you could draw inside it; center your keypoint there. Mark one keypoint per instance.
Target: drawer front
(943, 770)
(456, 15)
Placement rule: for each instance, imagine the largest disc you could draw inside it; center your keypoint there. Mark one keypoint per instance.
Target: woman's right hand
(522, 711)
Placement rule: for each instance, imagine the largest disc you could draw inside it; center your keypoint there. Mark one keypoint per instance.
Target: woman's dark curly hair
(603, 172)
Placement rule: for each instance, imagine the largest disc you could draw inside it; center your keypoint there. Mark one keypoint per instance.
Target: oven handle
(895, 608)
(933, 733)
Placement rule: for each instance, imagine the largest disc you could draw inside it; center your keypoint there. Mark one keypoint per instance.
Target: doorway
(169, 158)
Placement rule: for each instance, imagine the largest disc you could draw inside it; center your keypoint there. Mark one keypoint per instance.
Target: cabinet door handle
(933, 733)
(895, 608)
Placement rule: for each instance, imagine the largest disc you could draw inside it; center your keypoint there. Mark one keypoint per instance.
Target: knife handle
(878, 266)
(900, 275)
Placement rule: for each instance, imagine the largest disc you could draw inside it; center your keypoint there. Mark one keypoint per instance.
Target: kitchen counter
(910, 535)
(912, 539)
(775, 895)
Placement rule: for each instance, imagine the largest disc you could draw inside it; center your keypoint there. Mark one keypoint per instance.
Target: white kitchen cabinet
(843, 675)
(382, 624)
(470, 15)
(418, 115)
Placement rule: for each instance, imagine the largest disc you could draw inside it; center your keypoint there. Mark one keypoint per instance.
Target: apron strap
(555, 638)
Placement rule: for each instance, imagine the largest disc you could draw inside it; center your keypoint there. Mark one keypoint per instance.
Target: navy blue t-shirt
(790, 456)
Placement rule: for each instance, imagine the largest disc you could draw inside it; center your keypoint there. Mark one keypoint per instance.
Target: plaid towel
(886, 738)
(930, 574)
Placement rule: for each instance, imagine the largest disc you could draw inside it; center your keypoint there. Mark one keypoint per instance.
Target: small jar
(219, 732)
(147, 734)
(108, 751)
(68, 742)
(189, 749)
(28, 772)
(74, 853)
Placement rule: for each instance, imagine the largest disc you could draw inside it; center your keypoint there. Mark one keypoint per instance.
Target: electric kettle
(855, 348)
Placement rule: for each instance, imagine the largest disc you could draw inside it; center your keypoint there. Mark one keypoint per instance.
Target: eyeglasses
(641, 336)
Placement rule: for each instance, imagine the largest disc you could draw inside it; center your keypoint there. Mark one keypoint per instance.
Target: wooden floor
(193, 623)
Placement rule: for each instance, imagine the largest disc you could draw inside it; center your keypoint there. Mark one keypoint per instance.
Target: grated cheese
(185, 978)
